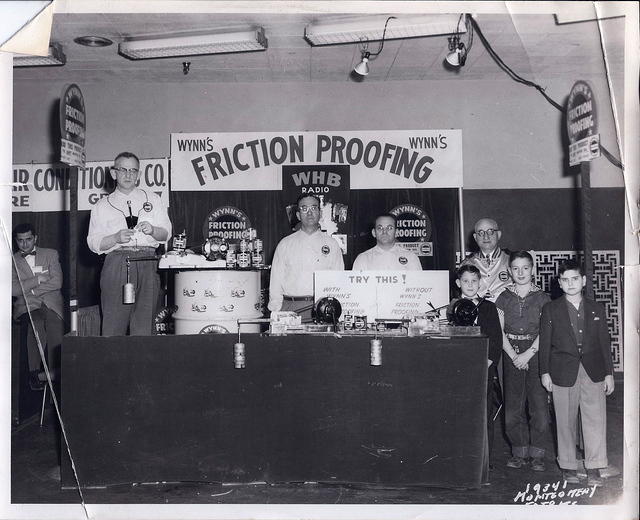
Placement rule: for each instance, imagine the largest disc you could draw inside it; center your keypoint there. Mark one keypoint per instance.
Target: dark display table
(305, 408)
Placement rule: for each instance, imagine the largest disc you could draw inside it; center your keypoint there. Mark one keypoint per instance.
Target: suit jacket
(559, 356)
(47, 292)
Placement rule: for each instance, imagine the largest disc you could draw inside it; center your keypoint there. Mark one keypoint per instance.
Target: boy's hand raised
(545, 379)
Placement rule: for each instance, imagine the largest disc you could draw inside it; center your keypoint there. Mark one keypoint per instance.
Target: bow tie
(25, 255)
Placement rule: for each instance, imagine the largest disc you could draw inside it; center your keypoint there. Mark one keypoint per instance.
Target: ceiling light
(370, 28)
(458, 51)
(93, 41)
(191, 44)
(362, 68)
(55, 56)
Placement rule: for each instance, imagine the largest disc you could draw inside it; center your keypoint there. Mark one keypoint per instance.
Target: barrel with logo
(215, 299)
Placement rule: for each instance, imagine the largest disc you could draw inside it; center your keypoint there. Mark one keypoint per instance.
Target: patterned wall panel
(606, 288)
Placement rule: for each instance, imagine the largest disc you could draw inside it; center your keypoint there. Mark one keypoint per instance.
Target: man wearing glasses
(492, 261)
(386, 255)
(128, 223)
(296, 258)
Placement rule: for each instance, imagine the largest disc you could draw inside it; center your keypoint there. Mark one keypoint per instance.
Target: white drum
(216, 299)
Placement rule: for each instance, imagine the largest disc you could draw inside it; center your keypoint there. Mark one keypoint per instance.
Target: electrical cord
(473, 25)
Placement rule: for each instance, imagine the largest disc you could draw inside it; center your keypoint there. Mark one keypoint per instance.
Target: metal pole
(585, 198)
(461, 217)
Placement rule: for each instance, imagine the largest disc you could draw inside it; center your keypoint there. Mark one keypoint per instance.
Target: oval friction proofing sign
(581, 112)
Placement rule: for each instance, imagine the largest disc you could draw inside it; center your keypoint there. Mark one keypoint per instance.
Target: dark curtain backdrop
(266, 211)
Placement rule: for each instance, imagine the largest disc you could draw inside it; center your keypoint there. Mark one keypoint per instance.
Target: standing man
(492, 261)
(130, 222)
(296, 258)
(35, 284)
(386, 255)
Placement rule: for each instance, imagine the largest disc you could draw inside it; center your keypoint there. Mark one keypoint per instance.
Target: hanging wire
(473, 24)
(384, 32)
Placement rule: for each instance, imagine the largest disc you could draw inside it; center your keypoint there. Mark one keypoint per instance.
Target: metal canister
(128, 293)
(257, 245)
(238, 355)
(243, 246)
(252, 233)
(231, 259)
(243, 259)
(360, 322)
(376, 352)
(348, 322)
(381, 326)
(257, 259)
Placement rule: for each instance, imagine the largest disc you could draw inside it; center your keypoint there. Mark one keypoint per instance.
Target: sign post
(584, 145)
(72, 152)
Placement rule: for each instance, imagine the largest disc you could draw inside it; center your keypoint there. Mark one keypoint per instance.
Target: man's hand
(123, 236)
(609, 385)
(145, 227)
(45, 277)
(521, 361)
(545, 379)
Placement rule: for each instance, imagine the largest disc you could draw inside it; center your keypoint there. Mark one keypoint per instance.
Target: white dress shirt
(395, 259)
(294, 261)
(108, 217)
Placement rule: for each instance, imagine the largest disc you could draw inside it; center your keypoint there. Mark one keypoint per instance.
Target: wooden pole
(585, 200)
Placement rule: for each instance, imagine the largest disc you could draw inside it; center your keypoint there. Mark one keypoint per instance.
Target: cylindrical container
(360, 322)
(128, 293)
(243, 246)
(376, 352)
(257, 245)
(238, 355)
(222, 297)
(231, 259)
(256, 259)
(348, 322)
(243, 260)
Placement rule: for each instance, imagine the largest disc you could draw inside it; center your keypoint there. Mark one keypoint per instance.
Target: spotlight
(362, 68)
(458, 52)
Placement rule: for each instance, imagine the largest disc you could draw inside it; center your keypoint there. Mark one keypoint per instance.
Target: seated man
(386, 255)
(35, 285)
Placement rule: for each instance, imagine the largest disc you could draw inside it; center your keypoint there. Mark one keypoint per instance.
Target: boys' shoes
(593, 477)
(609, 471)
(570, 476)
(516, 462)
(537, 464)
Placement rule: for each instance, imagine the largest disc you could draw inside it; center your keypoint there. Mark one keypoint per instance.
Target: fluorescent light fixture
(248, 40)
(370, 28)
(55, 56)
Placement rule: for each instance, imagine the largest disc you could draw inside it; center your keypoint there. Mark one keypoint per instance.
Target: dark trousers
(50, 329)
(521, 388)
(493, 403)
(117, 317)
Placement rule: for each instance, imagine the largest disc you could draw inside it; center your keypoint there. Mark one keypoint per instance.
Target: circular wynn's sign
(72, 115)
(581, 112)
(226, 222)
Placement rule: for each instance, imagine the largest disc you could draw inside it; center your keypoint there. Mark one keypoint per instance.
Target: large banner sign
(376, 159)
(45, 187)
(384, 294)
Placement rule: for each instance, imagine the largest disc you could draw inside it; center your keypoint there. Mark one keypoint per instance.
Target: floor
(35, 478)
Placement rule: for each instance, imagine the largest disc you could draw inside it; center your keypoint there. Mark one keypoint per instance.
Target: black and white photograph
(317, 259)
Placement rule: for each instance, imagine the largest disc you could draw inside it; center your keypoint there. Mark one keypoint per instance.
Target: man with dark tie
(492, 261)
(38, 305)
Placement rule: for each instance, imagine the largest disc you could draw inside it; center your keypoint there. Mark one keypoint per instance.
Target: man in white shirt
(296, 258)
(386, 255)
(492, 261)
(130, 222)
(38, 305)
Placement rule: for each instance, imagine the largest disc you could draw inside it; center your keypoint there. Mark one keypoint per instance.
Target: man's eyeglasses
(306, 209)
(489, 232)
(385, 228)
(129, 171)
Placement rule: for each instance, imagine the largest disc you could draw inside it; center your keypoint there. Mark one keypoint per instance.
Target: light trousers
(590, 399)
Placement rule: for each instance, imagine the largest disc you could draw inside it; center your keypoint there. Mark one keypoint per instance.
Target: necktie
(487, 260)
(25, 255)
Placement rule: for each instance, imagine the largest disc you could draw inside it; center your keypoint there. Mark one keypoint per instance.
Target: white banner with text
(384, 294)
(45, 187)
(376, 159)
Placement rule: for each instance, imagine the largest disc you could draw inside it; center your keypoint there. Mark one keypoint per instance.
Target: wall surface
(512, 138)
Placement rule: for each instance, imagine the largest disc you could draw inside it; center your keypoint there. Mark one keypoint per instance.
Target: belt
(132, 248)
(298, 298)
(523, 337)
